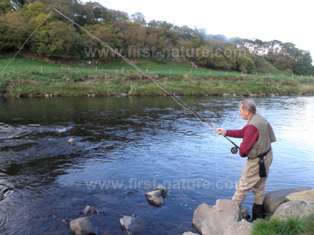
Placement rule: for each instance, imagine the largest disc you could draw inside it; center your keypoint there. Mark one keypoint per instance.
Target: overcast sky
(285, 20)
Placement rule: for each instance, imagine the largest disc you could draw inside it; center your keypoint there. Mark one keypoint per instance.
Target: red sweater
(249, 133)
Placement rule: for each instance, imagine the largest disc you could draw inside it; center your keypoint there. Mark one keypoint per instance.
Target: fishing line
(181, 103)
(178, 101)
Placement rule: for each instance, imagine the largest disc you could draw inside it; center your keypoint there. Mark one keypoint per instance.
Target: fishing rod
(181, 103)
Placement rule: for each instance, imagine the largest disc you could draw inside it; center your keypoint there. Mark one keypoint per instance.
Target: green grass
(26, 77)
(292, 226)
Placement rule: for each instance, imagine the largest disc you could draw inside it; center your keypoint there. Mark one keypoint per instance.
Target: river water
(59, 155)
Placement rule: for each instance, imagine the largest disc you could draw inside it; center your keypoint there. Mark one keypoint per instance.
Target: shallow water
(59, 155)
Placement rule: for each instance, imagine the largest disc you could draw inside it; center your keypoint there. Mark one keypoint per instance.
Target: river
(59, 155)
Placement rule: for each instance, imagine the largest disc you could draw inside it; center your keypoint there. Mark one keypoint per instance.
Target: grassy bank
(35, 78)
(285, 227)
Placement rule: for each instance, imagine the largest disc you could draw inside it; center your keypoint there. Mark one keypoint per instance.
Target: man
(257, 137)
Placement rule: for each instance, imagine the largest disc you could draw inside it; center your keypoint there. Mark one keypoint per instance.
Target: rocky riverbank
(225, 216)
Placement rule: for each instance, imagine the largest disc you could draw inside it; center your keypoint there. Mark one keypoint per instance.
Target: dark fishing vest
(266, 136)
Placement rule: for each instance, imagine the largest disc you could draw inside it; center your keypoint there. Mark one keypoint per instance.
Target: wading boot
(258, 212)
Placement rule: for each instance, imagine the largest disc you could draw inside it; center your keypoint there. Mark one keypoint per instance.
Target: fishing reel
(234, 150)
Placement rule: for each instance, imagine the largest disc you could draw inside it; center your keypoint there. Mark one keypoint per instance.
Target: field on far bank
(25, 77)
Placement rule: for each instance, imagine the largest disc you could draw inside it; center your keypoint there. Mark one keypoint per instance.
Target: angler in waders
(257, 137)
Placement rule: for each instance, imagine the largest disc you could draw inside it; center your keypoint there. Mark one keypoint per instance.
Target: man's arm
(235, 133)
(250, 136)
(230, 133)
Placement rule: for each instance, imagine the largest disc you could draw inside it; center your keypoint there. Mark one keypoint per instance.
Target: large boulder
(241, 228)
(189, 233)
(307, 196)
(294, 209)
(216, 219)
(275, 198)
(82, 226)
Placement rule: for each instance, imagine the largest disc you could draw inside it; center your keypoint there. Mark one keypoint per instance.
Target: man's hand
(221, 131)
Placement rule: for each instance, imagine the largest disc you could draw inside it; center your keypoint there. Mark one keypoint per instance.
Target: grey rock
(5, 187)
(156, 197)
(307, 196)
(216, 219)
(294, 209)
(163, 190)
(89, 210)
(82, 226)
(275, 198)
(128, 224)
(71, 140)
(190, 233)
(200, 215)
(240, 228)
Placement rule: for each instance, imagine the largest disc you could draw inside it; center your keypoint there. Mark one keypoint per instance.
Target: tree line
(160, 40)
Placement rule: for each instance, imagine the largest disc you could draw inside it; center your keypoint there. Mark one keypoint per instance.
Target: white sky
(284, 20)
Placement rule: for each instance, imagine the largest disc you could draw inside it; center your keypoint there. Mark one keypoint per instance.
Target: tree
(94, 49)
(14, 29)
(245, 64)
(57, 40)
(5, 6)
(138, 18)
(304, 65)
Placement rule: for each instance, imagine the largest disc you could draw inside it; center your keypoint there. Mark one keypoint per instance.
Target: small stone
(156, 197)
(89, 210)
(82, 226)
(66, 221)
(190, 233)
(163, 190)
(71, 140)
(4, 190)
(128, 223)
(61, 130)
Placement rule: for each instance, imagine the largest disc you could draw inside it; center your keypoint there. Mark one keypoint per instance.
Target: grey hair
(249, 105)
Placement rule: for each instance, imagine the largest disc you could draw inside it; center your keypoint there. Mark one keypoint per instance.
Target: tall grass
(34, 77)
(291, 226)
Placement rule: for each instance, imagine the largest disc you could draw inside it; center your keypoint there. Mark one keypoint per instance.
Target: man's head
(247, 109)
